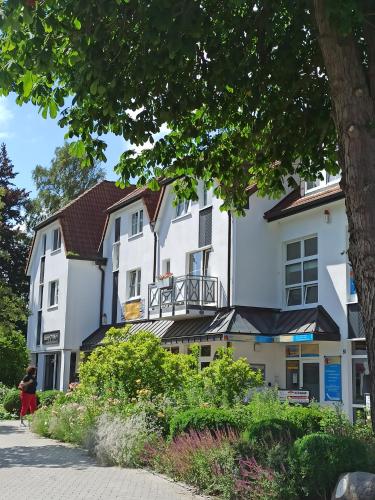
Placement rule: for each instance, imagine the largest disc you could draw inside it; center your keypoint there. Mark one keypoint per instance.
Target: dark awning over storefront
(260, 324)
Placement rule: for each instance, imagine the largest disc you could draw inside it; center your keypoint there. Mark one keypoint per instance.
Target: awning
(264, 325)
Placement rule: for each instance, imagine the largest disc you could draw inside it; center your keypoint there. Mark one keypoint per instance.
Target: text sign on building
(133, 310)
(51, 338)
(301, 397)
(332, 378)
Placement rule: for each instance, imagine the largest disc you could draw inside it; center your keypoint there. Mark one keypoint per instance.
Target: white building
(274, 284)
(65, 281)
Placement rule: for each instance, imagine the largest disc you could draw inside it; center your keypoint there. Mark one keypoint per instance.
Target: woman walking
(28, 389)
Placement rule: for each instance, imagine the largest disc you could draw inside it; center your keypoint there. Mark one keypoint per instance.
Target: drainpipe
(229, 263)
(155, 254)
(101, 293)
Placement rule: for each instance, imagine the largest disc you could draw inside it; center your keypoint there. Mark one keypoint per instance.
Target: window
(40, 298)
(39, 328)
(327, 179)
(361, 380)
(114, 296)
(199, 263)
(115, 256)
(205, 364)
(134, 283)
(182, 208)
(117, 229)
(44, 244)
(53, 293)
(205, 227)
(56, 242)
(301, 272)
(166, 266)
(137, 222)
(42, 268)
(175, 350)
(205, 351)
(207, 196)
(309, 350)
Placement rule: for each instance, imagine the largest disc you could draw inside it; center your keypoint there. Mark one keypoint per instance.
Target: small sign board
(133, 310)
(51, 338)
(332, 378)
(368, 402)
(301, 397)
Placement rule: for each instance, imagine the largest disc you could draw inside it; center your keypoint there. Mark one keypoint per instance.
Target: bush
(12, 402)
(270, 431)
(47, 398)
(307, 419)
(118, 441)
(14, 356)
(3, 390)
(199, 419)
(40, 422)
(318, 459)
(257, 482)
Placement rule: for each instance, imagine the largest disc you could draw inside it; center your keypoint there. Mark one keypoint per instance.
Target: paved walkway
(39, 469)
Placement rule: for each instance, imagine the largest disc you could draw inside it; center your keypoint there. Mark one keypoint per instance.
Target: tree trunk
(354, 114)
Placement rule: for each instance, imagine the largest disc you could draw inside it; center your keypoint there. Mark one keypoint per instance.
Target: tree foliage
(14, 356)
(62, 182)
(13, 239)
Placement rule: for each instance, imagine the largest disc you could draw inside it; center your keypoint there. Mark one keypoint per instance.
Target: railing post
(173, 297)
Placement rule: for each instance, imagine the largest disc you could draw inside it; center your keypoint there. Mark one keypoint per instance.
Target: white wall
(83, 304)
(135, 252)
(177, 237)
(56, 268)
(255, 267)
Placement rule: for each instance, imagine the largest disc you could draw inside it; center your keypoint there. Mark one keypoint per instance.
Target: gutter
(229, 262)
(99, 264)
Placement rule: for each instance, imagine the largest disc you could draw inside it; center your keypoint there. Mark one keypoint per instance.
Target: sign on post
(332, 378)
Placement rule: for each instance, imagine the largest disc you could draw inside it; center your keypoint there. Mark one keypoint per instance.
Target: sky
(31, 140)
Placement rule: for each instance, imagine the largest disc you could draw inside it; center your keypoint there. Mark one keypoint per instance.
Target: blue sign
(332, 378)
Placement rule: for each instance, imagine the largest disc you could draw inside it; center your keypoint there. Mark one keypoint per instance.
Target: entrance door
(311, 380)
(49, 371)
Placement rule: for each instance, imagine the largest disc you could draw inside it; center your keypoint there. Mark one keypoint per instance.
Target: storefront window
(309, 350)
(361, 380)
(292, 351)
(359, 347)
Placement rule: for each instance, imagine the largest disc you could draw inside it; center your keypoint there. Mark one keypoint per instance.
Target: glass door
(311, 379)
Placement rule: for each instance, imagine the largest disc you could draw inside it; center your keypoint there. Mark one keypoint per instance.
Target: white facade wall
(136, 252)
(178, 237)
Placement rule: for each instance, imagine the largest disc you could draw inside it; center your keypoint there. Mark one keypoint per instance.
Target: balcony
(183, 296)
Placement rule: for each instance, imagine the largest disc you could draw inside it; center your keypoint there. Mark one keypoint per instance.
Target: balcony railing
(177, 295)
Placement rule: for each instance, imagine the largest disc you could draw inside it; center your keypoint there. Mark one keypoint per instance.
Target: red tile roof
(150, 199)
(294, 202)
(82, 220)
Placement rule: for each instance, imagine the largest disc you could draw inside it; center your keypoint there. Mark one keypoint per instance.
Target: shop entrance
(50, 371)
(311, 379)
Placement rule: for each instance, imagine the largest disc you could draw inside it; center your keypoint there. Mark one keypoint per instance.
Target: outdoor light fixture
(104, 319)
(327, 216)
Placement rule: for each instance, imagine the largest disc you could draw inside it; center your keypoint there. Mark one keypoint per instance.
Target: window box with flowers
(165, 280)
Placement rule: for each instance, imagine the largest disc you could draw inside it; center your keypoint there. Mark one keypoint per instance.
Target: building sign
(51, 338)
(133, 310)
(300, 397)
(332, 378)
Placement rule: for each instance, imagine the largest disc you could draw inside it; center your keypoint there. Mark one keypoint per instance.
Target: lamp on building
(104, 319)
(327, 216)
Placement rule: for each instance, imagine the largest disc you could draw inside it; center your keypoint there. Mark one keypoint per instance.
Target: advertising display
(332, 378)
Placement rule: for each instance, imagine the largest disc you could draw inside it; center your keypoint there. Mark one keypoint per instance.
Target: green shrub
(13, 354)
(318, 459)
(3, 390)
(47, 398)
(273, 430)
(306, 418)
(40, 422)
(12, 401)
(199, 419)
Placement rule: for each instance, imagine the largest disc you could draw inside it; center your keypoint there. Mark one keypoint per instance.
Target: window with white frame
(53, 293)
(116, 246)
(137, 222)
(301, 272)
(182, 208)
(327, 179)
(56, 240)
(207, 195)
(134, 280)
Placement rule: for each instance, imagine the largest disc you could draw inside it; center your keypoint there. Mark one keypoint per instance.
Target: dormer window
(56, 240)
(137, 223)
(182, 208)
(328, 179)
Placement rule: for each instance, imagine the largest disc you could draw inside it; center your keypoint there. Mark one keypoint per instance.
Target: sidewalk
(39, 469)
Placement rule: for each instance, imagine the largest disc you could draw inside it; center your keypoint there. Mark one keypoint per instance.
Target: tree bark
(354, 115)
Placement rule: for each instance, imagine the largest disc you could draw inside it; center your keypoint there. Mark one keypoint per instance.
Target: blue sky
(31, 140)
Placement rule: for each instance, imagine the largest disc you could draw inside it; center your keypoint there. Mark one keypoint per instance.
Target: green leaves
(77, 23)
(27, 82)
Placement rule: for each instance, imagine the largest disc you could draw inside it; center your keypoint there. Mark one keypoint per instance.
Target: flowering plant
(164, 276)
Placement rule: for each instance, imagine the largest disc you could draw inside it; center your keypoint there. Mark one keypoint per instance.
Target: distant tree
(63, 181)
(14, 356)
(14, 242)
(13, 309)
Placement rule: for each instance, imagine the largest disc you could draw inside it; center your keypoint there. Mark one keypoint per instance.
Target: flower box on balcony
(165, 280)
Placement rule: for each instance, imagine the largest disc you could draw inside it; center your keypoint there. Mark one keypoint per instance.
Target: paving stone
(36, 468)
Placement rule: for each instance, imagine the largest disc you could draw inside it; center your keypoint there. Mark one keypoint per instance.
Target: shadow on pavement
(49, 456)
(7, 429)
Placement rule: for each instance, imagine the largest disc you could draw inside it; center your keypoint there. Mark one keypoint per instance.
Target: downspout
(229, 263)
(155, 254)
(101, 294)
